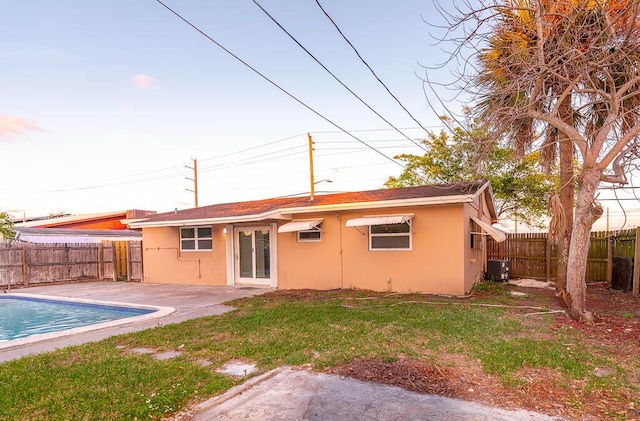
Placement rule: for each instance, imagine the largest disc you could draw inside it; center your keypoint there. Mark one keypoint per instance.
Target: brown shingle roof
(257, 207)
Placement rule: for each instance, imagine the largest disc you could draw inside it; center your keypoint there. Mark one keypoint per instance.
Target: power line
(103, 182)
(334, 76)
(255, 147)
(244, 162)
(367, 64)
(274, 83)
(98, 186)
(178, 170)
(342, 142)
(376, 130)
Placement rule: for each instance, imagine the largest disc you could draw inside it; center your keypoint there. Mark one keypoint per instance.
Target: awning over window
(495, 233)
(378, 220)
(294, 226)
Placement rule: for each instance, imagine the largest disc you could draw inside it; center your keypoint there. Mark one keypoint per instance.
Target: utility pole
(194, 179)
(313, 188)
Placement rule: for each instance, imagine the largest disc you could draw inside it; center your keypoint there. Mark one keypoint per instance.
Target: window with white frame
(196, 239)
(390, 236)
(310, 236)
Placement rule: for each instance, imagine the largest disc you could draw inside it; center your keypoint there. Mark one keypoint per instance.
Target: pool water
(26, 316)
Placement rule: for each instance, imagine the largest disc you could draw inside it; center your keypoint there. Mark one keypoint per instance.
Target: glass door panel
(245, 248)
(263, 258)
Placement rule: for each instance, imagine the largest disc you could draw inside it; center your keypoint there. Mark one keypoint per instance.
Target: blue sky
(95, 93)
(104, 103)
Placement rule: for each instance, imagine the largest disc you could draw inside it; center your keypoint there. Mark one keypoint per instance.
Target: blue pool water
(25, 316)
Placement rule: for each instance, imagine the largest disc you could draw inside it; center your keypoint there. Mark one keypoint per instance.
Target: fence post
(114, 259)
(609, 260)
(636, 265)
(101, 262)
(25, 266)
(128, 249)
(548, 260)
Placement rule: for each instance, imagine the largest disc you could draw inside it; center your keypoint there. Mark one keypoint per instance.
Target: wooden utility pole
(195, 180)
(313, 184)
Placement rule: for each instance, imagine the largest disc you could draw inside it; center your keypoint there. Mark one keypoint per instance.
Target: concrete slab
(167, 355)
(190, 301)
(238, 369)
(288, 394)
(143, 351)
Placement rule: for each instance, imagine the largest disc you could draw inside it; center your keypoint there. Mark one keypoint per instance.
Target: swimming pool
(26, 318)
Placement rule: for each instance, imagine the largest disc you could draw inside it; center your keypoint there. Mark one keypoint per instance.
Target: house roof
(283, 208)
(66, 219)
(103, 220)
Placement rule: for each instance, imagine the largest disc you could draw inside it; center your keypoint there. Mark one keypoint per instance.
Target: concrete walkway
(289, 394)
(190, 301)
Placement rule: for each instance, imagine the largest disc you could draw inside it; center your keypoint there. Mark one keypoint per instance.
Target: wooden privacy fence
(531, 255)
(23, 264)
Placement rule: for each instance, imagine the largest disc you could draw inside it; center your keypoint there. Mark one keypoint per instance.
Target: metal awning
(495, 233)
(378, 220)
(294, 226)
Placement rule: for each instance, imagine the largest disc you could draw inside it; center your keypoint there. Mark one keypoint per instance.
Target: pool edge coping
(159, 311)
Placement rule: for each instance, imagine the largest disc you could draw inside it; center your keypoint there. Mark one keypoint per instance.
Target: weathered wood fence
(531, 255)
(23, 264)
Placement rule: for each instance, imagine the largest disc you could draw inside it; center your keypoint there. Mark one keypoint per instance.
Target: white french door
(253, 255)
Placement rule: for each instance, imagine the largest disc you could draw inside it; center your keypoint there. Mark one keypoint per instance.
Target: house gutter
(444, 200)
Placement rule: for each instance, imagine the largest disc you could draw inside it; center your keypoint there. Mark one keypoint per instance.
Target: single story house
(428, 239)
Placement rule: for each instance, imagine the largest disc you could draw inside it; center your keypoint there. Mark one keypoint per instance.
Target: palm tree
(563, 76)
(509, 51)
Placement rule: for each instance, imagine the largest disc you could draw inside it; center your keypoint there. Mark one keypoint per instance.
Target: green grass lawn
(106, 380)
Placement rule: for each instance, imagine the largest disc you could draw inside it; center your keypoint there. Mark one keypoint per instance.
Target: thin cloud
(144, 81)
(15, 126)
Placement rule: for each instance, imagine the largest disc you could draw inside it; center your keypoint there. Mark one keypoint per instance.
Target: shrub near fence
(23, 264)
(531, 255)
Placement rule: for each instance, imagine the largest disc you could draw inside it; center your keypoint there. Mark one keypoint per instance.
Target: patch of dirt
(543, 390)
(411, 375)
(535, 389)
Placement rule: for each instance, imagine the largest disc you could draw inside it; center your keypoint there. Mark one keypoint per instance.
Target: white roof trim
(378, 220)
(58, 239)
(294, 226)
(212, 221)
(495, 233)
(440, 200)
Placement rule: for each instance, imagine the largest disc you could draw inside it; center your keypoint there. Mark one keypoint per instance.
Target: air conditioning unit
(498, 270)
